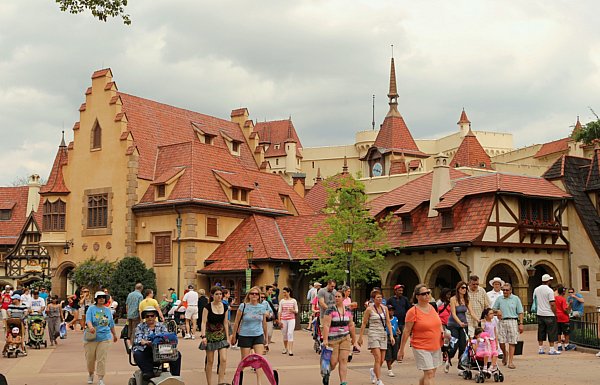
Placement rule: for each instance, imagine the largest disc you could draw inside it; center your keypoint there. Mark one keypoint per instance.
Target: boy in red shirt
(562, 319)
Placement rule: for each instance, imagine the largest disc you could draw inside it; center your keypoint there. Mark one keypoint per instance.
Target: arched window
(54, 215)
(96, 136)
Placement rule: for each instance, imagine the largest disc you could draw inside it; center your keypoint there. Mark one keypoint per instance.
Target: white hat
(547, 277)
(149, 309)
(15, 330)
(100, 293)
(318, 284)
(496, 279)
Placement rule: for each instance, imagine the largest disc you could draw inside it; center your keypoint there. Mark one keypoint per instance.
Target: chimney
(33, 196)
(441, 182)
(299, 183)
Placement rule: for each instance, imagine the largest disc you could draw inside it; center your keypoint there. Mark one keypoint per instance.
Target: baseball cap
(16, 296)
(547, 277)
(398, 286)
(318, 284)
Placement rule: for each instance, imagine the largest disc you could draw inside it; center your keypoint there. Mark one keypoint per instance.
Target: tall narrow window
(447, 220)
(212, 227)
(585, 279)
(96, 136)
(162, 249)
(407, 224)
(54, 216)
(161, 190)
(97, 211)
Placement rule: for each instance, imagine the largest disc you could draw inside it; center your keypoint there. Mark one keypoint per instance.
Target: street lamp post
(348, 245)
(249, 255)
(458, 251)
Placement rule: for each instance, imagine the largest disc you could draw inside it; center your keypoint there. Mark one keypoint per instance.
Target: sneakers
(390, 373)
(193, 336)
(553, 352)
(284, 351)
(598, 354)
(379, 382)
(90, 379)
(372, 374)
(187, 337)
(100, 382)
(541, 351)
(447, 367)
(560, 348)
(571, 347)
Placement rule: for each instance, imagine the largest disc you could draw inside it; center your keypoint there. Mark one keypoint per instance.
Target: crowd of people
(437, 331)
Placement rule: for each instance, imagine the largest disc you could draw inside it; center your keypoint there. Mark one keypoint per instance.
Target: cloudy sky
(525, 67)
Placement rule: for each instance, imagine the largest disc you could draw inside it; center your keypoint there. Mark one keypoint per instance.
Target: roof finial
(393, 92)
(345, 168)
(62, 142)
(319, 174)
(373, 121)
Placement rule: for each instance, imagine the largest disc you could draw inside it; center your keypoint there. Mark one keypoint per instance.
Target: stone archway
(442, 274)
(61, 283)
(542, 267)
(506, 270)
(405, 274)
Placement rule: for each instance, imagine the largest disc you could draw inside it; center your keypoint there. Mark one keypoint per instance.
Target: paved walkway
(65, 365)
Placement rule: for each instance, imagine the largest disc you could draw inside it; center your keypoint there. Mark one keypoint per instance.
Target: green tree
(589, 132)
(100, 9)
(46, 283)
(129, 271)
(349, 216)
(94, 273)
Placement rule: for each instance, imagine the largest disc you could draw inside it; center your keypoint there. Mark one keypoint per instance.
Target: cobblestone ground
(65, 365)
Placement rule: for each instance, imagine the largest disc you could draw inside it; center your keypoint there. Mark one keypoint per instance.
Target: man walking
(496, 283)
(546, 315)
(511, 324)
(478, 300)
(326, 297)
(132, 305)
(191, 313)
(400, 304)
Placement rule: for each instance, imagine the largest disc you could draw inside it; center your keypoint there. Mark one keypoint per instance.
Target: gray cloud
(523, 67)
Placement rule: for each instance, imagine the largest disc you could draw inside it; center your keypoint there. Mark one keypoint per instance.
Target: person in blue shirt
(99, 322)
(142, 344)
(575, 302)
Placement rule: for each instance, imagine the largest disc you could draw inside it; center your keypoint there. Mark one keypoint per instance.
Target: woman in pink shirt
(288, 308)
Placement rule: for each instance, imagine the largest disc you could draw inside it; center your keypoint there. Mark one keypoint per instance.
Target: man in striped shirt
(478, 300)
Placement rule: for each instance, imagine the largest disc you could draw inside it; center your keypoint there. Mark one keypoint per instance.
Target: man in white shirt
(37, 303)
(26, 298)
(191, 313)
(546, 315)
(496, 283)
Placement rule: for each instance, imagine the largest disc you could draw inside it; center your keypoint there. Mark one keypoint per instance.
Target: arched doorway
(541, 268)
(505, 270)
(404, 274)
(62, 283)
(441, 275)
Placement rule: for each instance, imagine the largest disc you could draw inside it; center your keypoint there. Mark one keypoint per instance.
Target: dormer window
(5, 215)
(161, 190)
(96, 140)
(209, 139)
(239, 195)
(407, 226)
(276, 146)
(447, 220)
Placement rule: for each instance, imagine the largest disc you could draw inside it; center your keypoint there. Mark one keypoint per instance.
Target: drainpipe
(458, 251)
(570, 255)
(178, 224)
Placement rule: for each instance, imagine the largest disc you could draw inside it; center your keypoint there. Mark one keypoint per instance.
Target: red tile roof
(415, 163)
(14, 198)
(553, 147)
(239, 112)
(199, 183)
(498, 182)
(277, 132)
(154, 124)
(56, 182)
(395, 136)
(101, 73)
(463, 117)
(470, 153)
(318, 195)
(282, 238)
(398, 166)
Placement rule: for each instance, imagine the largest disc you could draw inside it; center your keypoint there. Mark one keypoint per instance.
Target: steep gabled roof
(470, 153)
(272, 239)
(15, 199)
(56, 182)
(593, 177)
(395, 136)
(317, 196)
(553, 147)
(277, 132)
(155, 124)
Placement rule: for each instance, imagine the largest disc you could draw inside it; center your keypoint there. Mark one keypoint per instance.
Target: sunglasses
(463, 287)
(254, 293)
(424, 293)
(571, 292)
(505, 289)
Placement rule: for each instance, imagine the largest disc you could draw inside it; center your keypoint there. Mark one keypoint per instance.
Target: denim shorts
(248, 342)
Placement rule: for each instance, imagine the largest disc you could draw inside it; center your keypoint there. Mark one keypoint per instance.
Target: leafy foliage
(128, 272)
(349, 217)
(94, 273)
(589, 132)
(37, 285)
(100, 9)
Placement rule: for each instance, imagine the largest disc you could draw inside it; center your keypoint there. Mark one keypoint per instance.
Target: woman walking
(379, 323)
(339, 334)
(457, 322)
(99, 322)
(214, 332)
(425, 328)
(288, 308)
(55, 317)
(250, 325)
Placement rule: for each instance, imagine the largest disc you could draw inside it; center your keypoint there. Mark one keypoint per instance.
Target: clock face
(377, 169)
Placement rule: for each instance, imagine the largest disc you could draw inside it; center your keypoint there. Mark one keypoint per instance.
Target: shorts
(547, 327)
(427, 360)
(338, 345)
(563, 328)
(191, 312)
(248, 342)
(378, 342)
(391, 354)
(4, 314)
(508, 331)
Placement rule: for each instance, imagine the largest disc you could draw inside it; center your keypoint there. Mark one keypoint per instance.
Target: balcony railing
(584, 331)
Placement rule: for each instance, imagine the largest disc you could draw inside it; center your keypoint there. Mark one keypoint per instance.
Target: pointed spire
(318, 179)
(62, 142)
(463, 117)
(393, 93)
(577, 127)
(345, 168)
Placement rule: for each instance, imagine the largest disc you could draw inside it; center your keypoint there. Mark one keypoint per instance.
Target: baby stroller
(472, 364)
(36, 324)
(256, 361)
(316, 334)
(15, 350)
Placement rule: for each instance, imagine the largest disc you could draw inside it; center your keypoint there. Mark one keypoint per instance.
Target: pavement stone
(65, 365)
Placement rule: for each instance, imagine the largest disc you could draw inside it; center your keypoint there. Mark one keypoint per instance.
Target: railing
(584, 331)
(529, 318)
(305, 313)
